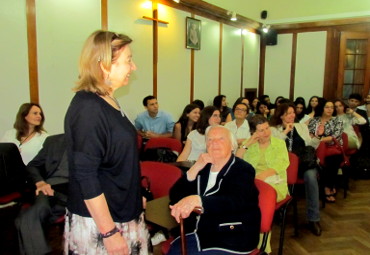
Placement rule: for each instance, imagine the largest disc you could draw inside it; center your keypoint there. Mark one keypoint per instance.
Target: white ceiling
(296, 11)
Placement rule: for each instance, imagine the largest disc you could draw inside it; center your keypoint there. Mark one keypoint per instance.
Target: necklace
(117, 104)
(25, 139)
(290, 140)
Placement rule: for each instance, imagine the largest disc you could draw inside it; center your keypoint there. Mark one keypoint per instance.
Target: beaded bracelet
(110, 233)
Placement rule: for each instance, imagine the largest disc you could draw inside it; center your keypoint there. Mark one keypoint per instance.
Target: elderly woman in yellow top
(267, 154)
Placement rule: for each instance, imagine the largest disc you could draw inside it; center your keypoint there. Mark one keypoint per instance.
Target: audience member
(349, 118)
(48, 171)
(267, 154)
(195, 143)
(199, 103)
(221, 104)
(299, 141)
(354, 102)
(105, 211)
(266, 99)
(312, 104)
(366, 107)
(28, 133)
(300, 110)
(263, 110)
(152, 122)
(223, 186)
(253, 105)
(240, 100)
(327, 128)
(186, 122)
(239, 126)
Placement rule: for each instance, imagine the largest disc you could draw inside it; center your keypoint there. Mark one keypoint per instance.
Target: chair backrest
(267, 202)
(345, 141)
(139, 141)
(164, 142)
(162, 176)
(12, 169)
(292, 170)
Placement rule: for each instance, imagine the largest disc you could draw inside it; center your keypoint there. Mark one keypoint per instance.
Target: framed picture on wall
(193, 33)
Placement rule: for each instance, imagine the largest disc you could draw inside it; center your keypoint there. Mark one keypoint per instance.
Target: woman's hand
(116, 244)
(320, 130)
(289, 127)
(185, 206)
(264, 174)
(202, 161)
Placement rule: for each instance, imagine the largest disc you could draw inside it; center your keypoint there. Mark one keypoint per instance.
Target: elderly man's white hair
(234, 143)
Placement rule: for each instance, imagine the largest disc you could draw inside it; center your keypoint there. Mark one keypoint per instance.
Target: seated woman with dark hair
(262, 109)
(28, 133)
(326, 127)
(221, 104)
(195, 143)
(186, 122)
(223, 186)
(297, 137)
(300, 111)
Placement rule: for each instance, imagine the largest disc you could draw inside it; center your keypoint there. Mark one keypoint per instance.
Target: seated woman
(223, 186)
(221, 104)
(312, 104)
(28, 133)
(349, 118)
(195, 143)
(300, 111)
(297, 137)
(239, 126)
(186, 122)
(267, 154)
(262, 109)
(327, 128)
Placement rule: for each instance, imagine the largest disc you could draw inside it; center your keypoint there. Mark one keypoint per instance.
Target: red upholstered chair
(164, 142)
(292, 174)
(266, 201)
(162, 176)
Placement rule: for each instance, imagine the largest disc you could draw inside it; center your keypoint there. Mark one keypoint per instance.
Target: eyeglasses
(240, 110)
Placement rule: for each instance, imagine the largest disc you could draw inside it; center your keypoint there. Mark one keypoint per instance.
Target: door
(354, 64)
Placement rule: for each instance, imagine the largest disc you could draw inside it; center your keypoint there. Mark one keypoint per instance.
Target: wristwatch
(243, 146)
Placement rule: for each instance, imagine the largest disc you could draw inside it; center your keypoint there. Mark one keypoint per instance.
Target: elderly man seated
(223, 186)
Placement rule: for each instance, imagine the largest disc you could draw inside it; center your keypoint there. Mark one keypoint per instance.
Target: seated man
(49, 172)
(223, 186)
(152, 122)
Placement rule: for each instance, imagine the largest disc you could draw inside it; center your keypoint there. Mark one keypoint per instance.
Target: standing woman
(28, 133)
(327, 128)
(186, 122)
(105, 213)
(297, 137)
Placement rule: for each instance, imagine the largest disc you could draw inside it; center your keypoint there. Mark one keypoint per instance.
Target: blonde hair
(101, 48)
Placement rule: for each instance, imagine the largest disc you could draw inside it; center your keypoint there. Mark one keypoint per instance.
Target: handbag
(145, 188)
(160, 154)
(307, 158)
(324, 150)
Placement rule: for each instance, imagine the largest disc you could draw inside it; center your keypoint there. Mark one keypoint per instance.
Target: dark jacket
(231, 218)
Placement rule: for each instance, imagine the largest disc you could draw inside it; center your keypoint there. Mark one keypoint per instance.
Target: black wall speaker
(270, 38)
(263, 14)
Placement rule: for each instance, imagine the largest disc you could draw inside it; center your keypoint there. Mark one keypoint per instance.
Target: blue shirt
(160, 124)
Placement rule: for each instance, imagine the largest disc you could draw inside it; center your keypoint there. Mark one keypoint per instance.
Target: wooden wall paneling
(331, 64)
(192, 71)
(155, 47)
(104, 14)
(220, 61)
(261, 83)
(32, 51)
(242, 63)
(293, 66)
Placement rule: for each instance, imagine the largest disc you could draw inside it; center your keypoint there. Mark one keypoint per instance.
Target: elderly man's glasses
(240, 110)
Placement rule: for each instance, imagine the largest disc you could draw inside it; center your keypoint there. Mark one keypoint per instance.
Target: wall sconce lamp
(233, 15)
(177, 1)
(265, 28)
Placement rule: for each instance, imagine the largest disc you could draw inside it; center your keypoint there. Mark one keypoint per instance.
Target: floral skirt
(82, 236)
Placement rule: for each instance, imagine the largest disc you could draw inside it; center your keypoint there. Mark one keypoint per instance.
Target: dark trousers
(330, 170)
(31, 221)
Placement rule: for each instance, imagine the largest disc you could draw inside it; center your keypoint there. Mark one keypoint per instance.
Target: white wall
(310, 64)
(14, 83)
(277, 67)
(63, 26)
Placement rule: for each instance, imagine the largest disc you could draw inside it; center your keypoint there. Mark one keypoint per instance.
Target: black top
(297, 142)
(232, 201)
(103, 157)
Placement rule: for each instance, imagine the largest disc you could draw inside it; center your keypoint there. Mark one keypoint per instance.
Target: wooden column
(32, 51)
(104, 14)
